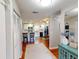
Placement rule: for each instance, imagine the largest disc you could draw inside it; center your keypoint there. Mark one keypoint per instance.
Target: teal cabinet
(67, 52)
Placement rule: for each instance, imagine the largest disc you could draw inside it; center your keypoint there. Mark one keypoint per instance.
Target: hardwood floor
(38, 51)
(55, 52)
(46, 43)
(23, 50)
(24, 45)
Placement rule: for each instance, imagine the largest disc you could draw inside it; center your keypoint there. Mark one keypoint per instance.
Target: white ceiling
(28, 6)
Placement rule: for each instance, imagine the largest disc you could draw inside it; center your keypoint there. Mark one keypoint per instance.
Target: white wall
(7, 47)
(15, 7)
(2, 33)
(17, 29)
(76, 31)
(56, 28)
(8, 33)
(54, 33)
(73, 26)
(17, 36)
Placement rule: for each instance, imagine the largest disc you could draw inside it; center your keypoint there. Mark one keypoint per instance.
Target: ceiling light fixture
(30, 25)
(44, 3)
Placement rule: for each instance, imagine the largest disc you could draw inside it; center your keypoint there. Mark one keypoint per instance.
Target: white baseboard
(53, 48)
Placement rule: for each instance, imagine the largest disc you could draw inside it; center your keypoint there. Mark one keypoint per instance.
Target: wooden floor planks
(24, 47)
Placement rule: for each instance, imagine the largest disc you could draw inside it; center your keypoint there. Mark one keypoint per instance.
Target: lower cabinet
(66, 52)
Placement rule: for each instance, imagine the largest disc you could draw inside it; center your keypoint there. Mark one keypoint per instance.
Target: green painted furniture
(67, 52)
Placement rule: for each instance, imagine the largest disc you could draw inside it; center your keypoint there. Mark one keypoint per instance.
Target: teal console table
(67, 52)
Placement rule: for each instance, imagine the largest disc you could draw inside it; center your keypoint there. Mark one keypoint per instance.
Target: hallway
(38, 50)
(38, 29)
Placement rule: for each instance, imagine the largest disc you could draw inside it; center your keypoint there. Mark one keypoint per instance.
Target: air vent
(65, 14)
(35, 12)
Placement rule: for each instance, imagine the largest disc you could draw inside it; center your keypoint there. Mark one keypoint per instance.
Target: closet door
(17, 37)
(8, 33)
(2, 33)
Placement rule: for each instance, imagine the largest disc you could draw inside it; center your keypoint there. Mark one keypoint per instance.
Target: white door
(17, 37)
(2, 33)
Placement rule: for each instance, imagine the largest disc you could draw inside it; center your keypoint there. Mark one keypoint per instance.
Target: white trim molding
(54, 48)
